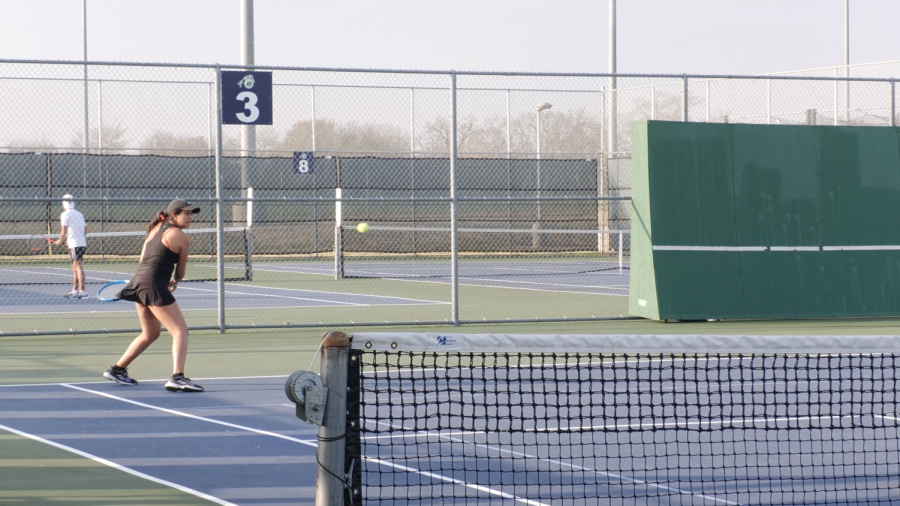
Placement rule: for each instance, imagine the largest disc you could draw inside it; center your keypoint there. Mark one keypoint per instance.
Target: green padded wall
(764, 221)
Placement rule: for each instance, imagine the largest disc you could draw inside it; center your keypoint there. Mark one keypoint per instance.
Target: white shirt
(75, 221)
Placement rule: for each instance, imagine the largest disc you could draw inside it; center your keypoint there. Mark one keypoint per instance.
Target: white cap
(68, 202)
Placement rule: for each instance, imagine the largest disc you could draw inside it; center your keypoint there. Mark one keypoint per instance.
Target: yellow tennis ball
(362, 228)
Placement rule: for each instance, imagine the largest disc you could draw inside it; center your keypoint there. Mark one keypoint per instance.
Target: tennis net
(112, 256)
(398, 252)
(627, 419)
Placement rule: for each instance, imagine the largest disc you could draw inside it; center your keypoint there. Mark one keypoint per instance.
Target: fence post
(684, 107)
(220, 218)
(893, 120)
(454, 244)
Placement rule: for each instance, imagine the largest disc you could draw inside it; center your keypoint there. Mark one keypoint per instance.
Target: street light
(541, 107)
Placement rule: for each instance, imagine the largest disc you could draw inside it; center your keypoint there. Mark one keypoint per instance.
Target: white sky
(664, 36)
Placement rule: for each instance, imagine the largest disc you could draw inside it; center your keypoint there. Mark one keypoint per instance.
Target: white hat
(68, 202)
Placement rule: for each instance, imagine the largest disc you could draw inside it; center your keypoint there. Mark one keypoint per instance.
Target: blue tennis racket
(110, 291)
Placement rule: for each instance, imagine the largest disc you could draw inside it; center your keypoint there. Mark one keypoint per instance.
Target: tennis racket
(110, 291)
(38, 242)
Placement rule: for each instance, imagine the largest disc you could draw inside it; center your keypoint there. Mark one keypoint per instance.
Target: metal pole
(684, 106)
(100, 159)
(653, 102)
(508, 164)
(768, 102)
(312, 107)
(412, 163)
(538, 153)
(330, 473)
(893, 121)
(248, 132)
(835, 121)
(454, 244)
(707, 102)
(87, 133)
(212, 134)
(847, 58)
(220, 218)
(613, 120)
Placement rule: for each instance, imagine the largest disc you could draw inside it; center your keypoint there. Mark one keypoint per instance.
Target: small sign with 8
(304, 162)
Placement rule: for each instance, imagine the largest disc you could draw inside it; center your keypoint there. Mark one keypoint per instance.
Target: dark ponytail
(161, 217)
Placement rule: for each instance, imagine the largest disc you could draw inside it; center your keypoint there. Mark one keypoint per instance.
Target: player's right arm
(62, 235)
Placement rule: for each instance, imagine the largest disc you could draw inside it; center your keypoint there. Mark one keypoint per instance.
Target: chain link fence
(489, 197)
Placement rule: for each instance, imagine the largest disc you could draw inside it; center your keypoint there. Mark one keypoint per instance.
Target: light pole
(847, 60)
(541, 107)
(86, 125)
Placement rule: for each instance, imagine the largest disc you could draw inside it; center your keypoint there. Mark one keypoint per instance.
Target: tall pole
(537, 149)
(248, 132)
(847, 59)
(454, 225)
(87, 134)
(613, 127)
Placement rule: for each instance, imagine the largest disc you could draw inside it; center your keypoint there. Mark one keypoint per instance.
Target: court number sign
(246, 97)
(304, 162)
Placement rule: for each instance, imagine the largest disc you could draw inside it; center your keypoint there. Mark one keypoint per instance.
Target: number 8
(249, 99)
(303, 166)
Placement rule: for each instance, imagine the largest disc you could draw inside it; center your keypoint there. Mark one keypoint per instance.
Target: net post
(331, 469)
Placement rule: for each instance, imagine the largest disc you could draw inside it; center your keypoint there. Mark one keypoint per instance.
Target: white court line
(311, 291)
(414, 280)
(107, 382)
(119, 467)
(575, 467)
(288, 438)
(455, 481)
(188, 415)
(600, 287)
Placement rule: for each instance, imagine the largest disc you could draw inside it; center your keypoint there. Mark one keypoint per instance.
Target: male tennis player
(73, 230)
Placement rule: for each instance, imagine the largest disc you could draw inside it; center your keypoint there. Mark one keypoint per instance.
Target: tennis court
(303, 291)
(713, 423)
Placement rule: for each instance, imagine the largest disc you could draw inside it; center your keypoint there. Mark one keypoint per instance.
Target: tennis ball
(362, 228)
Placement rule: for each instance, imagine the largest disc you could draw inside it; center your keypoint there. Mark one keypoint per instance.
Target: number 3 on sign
(251, 112)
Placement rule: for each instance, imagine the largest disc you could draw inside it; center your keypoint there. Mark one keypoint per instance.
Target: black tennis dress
(150, 283)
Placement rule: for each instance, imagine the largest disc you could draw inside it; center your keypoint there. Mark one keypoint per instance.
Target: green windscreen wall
(764, 221)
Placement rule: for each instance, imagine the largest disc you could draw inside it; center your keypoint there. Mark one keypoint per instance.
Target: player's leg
(150, 329)
(78, 268)
(171, 317)
(74, 293)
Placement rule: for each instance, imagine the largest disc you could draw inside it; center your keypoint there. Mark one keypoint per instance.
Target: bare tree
(167, 144)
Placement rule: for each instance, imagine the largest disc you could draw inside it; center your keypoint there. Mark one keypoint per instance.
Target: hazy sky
(666, 36)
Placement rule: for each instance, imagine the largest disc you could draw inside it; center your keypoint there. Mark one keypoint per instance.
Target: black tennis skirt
(147, 294)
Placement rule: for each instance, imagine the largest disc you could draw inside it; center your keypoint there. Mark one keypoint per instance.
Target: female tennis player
(165, 249)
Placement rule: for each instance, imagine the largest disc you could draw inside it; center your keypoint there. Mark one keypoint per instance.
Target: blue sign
(246, 97)
(304, 162)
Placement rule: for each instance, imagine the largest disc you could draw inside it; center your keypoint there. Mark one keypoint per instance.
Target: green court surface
(34, 472)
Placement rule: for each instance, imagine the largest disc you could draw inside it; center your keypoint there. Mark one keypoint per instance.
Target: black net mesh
(504, 428)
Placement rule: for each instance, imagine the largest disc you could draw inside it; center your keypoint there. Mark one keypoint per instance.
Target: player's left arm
(180, 243)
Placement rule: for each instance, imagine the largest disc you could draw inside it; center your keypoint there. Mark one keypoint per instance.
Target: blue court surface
(238, 442)
(27, 299)
(599, 278)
